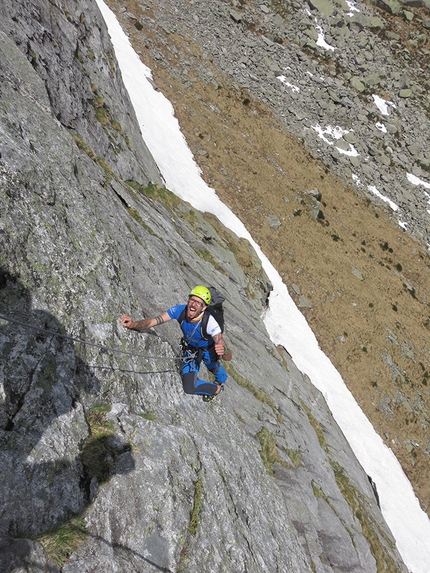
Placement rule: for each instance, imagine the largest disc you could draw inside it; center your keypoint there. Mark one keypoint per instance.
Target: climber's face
(195, 307)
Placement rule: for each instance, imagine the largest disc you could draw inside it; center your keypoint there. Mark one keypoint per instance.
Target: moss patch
(316, 426)
(61, 542)
(81, 143)
(295, 457)
(136, 216)
(370, 528)
(269, 450)
(192, 526)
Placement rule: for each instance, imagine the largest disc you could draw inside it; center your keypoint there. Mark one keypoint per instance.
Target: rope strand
(93, 344)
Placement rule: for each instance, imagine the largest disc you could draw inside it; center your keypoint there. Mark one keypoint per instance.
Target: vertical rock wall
(97, 438)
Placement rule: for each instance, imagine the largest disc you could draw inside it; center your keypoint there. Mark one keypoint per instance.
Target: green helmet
(203, 293)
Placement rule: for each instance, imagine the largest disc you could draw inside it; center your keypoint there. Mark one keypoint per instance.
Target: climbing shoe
(210, 398)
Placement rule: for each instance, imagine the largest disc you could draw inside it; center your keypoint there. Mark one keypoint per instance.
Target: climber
(202, 340)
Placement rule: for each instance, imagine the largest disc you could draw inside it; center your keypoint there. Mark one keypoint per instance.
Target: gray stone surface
(175, 484)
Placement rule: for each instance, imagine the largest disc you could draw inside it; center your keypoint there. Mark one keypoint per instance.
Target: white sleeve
(213, 327)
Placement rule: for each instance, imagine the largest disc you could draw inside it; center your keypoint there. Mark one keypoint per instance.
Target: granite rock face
(97, 436)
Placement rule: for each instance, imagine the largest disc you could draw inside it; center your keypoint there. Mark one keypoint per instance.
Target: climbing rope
(92, 344)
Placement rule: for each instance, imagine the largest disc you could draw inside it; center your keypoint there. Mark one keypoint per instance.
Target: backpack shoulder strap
(182, 316)
(204, 325)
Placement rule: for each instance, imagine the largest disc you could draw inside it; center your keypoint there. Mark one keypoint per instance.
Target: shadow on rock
(53, 453)
(23, 555)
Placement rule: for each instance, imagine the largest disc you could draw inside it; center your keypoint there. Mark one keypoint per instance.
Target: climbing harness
(189, 352)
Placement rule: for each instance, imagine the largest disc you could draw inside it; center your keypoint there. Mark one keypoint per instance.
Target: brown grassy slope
(375, 329)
